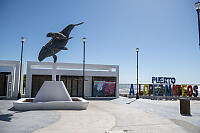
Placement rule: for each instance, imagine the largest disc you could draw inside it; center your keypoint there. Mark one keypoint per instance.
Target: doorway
(37, 81)
(74, 85)
(4, 83)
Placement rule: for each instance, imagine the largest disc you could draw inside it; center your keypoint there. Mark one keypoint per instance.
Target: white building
(100, 80)
(9, 78)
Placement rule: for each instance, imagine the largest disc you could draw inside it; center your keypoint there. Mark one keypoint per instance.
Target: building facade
(100, 80)
(9, 78)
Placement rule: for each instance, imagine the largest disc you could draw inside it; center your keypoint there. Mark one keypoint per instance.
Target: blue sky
(166, 31)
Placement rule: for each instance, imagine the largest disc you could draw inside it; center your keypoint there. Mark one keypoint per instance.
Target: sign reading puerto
(163, 80)
(165, 86)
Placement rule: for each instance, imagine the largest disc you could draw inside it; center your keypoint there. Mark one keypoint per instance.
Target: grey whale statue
(57, 43)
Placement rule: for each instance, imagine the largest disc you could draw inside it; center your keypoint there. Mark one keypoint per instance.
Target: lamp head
(197, 5)
(137, 49)
(84, 39)
(22, 39)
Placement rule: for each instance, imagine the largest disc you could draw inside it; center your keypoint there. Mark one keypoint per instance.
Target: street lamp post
(197, 6)
(137, 95)
(19, 93)
(84, 39)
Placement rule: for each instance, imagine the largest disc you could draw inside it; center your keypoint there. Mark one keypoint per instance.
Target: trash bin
(184, 106)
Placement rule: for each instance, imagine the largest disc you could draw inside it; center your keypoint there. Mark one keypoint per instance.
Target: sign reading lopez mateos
(166, 86)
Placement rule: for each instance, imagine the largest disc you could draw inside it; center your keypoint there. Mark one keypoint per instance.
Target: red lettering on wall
(174, 90)
(178, 87)
(189, 90)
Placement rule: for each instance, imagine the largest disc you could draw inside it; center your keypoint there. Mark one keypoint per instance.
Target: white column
(17, 73)
(54, 72)
(28, 80)
(117, 83)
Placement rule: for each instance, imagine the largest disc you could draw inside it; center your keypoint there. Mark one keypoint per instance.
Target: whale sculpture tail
(67, 30)
(79, 23)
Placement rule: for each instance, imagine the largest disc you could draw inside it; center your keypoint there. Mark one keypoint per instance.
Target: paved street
(121, 115)
(23, 122)
(168, 110)
(113, 116)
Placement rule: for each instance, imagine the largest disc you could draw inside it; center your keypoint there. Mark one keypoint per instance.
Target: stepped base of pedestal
(28, 104)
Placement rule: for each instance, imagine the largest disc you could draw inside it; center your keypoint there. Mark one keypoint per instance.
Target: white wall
(88, 87)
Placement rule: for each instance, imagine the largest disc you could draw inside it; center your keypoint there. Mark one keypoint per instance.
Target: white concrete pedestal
(52, 95)
(52, 91)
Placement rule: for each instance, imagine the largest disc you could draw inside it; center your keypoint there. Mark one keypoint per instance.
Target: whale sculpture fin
(70, 38)
(49, 34)
(65, 48)
(54, 58)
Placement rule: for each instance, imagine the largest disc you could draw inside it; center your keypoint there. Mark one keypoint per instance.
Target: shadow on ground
(6, 117)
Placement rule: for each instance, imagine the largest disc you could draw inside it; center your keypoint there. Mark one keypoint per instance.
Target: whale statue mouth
(40, 58)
